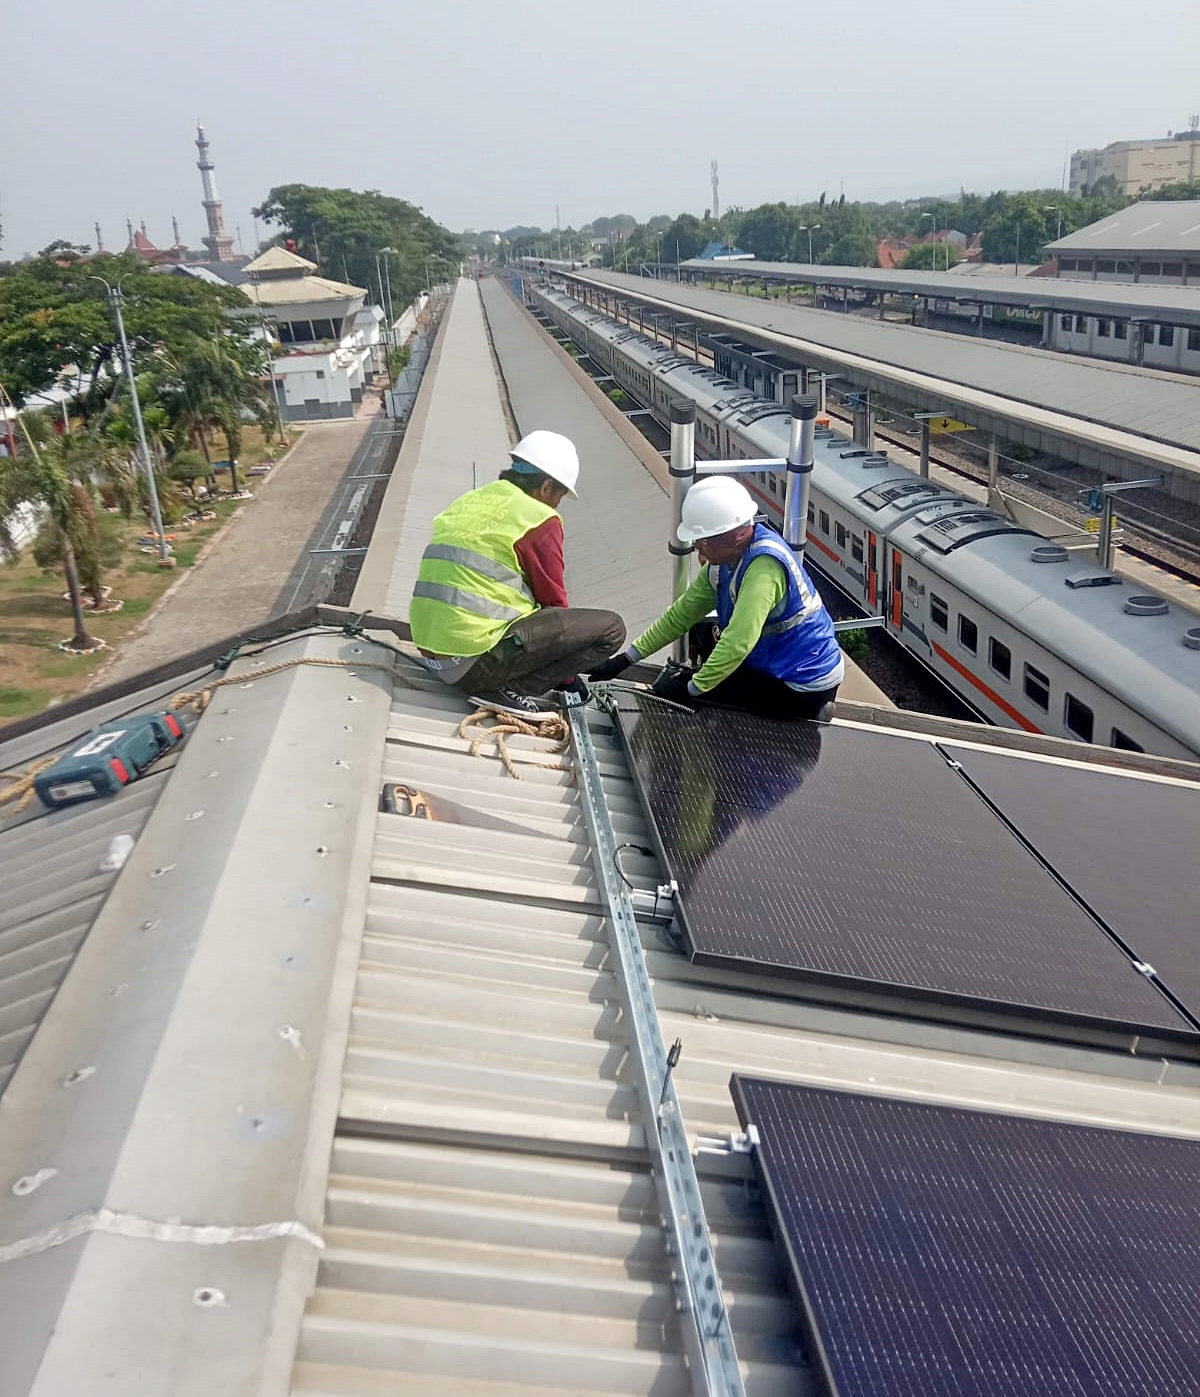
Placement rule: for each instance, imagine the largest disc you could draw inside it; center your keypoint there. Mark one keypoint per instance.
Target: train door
(873, 570)
(896, 592)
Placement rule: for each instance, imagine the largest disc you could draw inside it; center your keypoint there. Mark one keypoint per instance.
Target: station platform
(459, 436)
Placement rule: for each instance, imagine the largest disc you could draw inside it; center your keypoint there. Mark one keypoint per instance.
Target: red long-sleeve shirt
(540, 553)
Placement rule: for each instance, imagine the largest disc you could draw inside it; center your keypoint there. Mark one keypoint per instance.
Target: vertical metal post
(993, 468)
(1105, 550)
(801, 440)
(924, 450)
(821, 395)
(114, 293)
(683, 473)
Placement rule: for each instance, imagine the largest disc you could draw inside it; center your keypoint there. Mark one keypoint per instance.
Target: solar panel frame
(1156, 1027)
(1042, 802)
(1013, 1217)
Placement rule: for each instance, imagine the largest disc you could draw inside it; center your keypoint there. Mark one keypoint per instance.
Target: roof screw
(291, 1036)
(30, 1183)
(208, 775)
(328, 804)
(249, 684)
(207, 1296)
(353, 698)
(322, 849)
(227, 738)
(195, 815)
(151, 922)
(158, 872)
(338, 761)
(79, 1074)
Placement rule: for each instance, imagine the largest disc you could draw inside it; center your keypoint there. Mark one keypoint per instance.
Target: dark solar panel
(857, 858)
(1127, 847)
(939, 1252)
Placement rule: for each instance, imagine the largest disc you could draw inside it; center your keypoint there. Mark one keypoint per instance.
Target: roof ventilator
(1092, 579)
(1146, 606)
(1049, 553)
(1191, 638)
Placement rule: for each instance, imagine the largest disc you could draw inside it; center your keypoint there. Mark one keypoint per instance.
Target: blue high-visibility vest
(798, 643)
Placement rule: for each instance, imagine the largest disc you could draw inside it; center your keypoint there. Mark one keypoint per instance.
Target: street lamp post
(384, 276)
(810, 229)
(114, 299)
(1055, 208)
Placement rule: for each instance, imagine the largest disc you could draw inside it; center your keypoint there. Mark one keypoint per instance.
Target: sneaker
(510, 701)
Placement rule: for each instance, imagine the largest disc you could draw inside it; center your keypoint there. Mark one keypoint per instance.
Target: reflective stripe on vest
(477, 562)
(467, 601)
(470, 587)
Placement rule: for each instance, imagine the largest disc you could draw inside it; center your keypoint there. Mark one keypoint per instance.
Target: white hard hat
(714, 505)
(552, 454)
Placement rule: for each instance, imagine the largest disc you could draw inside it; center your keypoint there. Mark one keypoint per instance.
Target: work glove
(672, 683)
(610, 668)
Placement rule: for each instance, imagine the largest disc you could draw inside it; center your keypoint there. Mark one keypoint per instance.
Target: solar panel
(1127, 847)
(862, 860)
(939, 1252)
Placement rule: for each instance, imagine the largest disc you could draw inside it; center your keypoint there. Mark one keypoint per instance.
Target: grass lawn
(34, 617)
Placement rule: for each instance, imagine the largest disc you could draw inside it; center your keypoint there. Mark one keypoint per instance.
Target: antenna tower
(716, 207)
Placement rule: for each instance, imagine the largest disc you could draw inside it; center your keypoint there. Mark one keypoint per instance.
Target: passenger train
(1028, 634)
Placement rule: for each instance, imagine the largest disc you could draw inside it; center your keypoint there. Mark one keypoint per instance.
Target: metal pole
(114, 295)
(821, 395)
(1106, 532)
(924, 450)
(801, 442)
(683, 473)
(993, 468)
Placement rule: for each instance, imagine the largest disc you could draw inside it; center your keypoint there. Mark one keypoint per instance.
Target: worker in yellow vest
(489, 609)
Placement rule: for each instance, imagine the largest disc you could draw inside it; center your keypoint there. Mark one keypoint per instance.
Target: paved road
(242, 577)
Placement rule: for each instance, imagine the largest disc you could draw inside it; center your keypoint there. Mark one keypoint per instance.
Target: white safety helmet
(714, 505)
(552, 454)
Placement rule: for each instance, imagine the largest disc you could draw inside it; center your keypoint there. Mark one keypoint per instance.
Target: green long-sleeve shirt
(763, 587)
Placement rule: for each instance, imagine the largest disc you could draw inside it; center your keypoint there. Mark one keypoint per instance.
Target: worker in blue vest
(777, 654)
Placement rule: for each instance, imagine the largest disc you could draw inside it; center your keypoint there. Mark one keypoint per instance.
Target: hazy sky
(487, 116)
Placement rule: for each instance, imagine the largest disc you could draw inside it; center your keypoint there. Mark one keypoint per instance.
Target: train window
(1125, 742)
(1037, 688)
(939, 612)
(1124, 268)
(824, 522)
(1104, 329)
(839, 535)
(1166, 335)
(1106, 267)
(1081, 324)
(1066, 322)
(1193, 339)
(1150, 268)
(811, 514)
(1147, 334)
(1172, 269)
(1067, 264)
(771, 483)
(856, 548)
(1078, 718)
(1120, 330)
(1000, 658)
(1085, 265)
(968, 634)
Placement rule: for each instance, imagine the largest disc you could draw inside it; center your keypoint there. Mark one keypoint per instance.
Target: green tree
(187, 467)
(852, 250)
(931, 256)
(53, 313)
(685, 237)
(343, 230)
(1181, 189)
(768, 231)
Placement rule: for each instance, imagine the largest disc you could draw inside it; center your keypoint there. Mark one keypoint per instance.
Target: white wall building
(328, 333)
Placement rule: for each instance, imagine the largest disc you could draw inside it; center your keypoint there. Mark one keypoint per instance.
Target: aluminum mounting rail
(712, 1356)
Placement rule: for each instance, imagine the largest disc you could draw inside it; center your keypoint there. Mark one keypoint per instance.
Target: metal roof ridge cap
(116, 1140)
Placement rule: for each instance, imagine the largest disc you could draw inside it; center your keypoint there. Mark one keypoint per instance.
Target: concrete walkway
(238, 581)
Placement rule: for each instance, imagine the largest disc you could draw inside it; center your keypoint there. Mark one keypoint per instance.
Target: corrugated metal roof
(500, 1226)
(1026, 386)
(1153, 225)
(52, 885)
(1175, 305)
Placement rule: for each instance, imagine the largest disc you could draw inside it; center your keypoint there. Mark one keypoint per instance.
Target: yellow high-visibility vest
(470, 587)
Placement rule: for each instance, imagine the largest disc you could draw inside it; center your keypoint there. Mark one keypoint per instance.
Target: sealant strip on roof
(957, 1252)
(862, 866)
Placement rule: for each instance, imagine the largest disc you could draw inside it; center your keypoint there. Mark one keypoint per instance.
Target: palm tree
(39, 478)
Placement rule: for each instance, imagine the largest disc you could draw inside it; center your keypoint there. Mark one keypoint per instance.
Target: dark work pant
(753, 690)
(545, 648)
